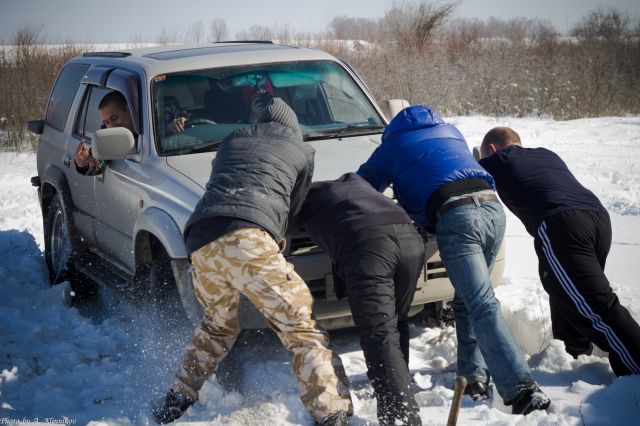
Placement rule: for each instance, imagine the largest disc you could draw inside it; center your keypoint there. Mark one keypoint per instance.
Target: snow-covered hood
(333, 158)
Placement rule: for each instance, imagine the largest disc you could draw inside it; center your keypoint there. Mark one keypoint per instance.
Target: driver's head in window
(114, 111)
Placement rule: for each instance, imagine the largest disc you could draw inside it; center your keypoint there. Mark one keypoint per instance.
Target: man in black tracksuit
(572, 233)
(377, 257)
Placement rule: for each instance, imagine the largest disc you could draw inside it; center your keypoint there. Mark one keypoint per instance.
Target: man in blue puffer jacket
(444, 190)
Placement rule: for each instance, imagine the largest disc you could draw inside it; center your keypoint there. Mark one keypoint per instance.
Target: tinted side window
(62, 95)
(89, 119)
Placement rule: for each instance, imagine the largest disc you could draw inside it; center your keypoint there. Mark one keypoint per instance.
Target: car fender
(54, 181)
(161, 225)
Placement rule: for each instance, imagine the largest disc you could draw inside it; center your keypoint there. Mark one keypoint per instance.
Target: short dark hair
(116, 98)
(502, 137)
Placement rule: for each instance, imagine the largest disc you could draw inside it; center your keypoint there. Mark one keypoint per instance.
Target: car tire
(59, 252)
(436, 314)
(160, 290)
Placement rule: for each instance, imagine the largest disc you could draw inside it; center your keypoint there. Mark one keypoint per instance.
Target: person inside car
(114, 112)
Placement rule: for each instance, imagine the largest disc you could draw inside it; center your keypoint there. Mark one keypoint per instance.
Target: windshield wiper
(351, 130)
(207, 147)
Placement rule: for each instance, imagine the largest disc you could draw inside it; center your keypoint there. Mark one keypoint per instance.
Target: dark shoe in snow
(173, 406)
(335, 419)
(478, 391)
(529, 398)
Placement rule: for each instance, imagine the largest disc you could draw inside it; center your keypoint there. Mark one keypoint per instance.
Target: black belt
(467, 200)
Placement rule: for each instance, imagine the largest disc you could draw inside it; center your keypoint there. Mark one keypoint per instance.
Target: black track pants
(380, 267)
(572, 248)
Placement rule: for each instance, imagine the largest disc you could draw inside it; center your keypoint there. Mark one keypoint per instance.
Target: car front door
(119, 192)
(107, 203)
(86, 122)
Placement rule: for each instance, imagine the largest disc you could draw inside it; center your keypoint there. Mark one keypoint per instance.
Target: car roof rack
(107, 54)
(246, 41)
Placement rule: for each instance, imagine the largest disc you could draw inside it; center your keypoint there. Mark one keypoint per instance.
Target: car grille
(299, 245)
(318, 289)
(436, 270)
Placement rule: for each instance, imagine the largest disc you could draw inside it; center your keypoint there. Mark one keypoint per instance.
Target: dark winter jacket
(535, 183)
(335, 210)
(260, 175)
(419, 154)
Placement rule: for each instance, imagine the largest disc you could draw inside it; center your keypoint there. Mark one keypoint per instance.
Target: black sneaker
(478, 391)
(335, 419)
(529, 399)
(172, 408)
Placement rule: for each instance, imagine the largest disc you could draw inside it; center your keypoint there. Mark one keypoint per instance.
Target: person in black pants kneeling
(377, 256)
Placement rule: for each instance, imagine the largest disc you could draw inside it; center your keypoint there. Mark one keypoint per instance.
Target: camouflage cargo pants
(249, 261)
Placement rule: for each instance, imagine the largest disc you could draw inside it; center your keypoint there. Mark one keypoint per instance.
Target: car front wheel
(59, 252)
(58, 246)
(160, 290)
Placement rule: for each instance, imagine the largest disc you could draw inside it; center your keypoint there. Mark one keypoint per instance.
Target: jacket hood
(412, 118)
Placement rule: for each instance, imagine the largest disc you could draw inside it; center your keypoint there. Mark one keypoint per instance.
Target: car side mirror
(112, 144)
(476, 153)
(36, 126)
(391, 107)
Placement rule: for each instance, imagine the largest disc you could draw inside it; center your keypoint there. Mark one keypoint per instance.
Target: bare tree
(167, 36)
(413, 24)
(218, 30)
(517, 29)
(196, 32)
(463, 34)
(608, 24)
(545, 38)
(348, 28)
(283, 33)
(255, 32)
(636, 29)
(28, 69)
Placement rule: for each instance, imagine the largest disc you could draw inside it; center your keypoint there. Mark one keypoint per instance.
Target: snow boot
(173, 406)
(478, 391)
(528, 399)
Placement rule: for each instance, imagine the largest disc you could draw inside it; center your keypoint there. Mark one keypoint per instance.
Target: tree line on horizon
(417, 51)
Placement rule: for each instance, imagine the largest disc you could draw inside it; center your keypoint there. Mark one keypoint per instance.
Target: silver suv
(124, 228)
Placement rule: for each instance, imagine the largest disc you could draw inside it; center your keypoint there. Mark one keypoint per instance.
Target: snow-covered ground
(108, 363)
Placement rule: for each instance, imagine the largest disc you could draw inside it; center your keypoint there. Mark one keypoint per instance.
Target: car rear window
(63, 94)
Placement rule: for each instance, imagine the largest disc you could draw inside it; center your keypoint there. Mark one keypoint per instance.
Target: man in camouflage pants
(233, 239)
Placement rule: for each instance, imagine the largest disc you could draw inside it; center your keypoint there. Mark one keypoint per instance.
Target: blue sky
(126, 20)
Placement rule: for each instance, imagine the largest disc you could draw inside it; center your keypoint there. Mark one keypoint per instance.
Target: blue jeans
(469, 238)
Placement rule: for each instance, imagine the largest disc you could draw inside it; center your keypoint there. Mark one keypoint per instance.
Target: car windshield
(211, 103)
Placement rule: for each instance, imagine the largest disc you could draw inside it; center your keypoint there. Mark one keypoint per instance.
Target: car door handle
(66, 161)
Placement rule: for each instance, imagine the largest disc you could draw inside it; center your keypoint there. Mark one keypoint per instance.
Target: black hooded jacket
(334, 210)
(260, 175)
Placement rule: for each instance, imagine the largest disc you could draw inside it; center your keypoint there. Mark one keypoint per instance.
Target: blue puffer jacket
(419, 153)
